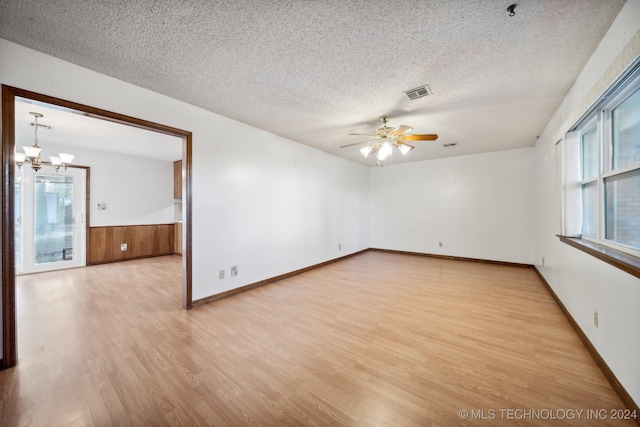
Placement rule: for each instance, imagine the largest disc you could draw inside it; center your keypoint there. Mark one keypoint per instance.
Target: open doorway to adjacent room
(51, 219)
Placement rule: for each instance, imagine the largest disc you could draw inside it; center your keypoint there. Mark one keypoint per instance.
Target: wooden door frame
(9, 94)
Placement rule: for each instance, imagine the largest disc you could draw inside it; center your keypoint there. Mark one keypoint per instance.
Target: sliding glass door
(50, 219)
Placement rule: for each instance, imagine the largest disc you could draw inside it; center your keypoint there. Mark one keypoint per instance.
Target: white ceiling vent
(418, 92)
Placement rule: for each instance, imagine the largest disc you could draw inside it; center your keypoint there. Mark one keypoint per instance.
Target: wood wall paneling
(143, 241)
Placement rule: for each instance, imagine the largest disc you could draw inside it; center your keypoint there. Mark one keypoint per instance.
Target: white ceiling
(314, 71)
(73, 130)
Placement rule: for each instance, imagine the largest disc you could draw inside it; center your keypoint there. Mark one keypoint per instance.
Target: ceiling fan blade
(362, 134)
(355, 143)
(400, 130)
(418, 137)
(411, 147)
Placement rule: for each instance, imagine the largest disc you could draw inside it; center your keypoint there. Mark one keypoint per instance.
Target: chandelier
(32, 153)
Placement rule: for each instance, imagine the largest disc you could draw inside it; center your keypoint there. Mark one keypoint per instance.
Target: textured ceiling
(314, 71)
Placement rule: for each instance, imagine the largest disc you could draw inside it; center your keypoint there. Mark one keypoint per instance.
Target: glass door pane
(53, 218)
(51, 233)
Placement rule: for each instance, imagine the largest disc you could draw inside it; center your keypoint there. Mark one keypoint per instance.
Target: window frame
(602, 117)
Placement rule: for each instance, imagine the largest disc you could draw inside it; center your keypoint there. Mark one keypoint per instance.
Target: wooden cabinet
(177, 179)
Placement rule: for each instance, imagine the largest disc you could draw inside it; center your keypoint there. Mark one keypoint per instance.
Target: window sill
(618, 259)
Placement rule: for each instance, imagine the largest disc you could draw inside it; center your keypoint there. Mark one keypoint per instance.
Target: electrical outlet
(339, 246)
(123, 247)
(439, 244)
(102, 206)
(234, 271)
(221, 274)
(543, 261)
(595, 318)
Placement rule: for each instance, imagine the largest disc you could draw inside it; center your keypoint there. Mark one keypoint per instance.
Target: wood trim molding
(456, 258)
(9, 94)
(187, 158)
(609, 375)
(9, 353)
(265, 282)
(618, 259)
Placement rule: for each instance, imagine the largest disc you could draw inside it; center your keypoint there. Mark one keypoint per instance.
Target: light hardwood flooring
(378, 339)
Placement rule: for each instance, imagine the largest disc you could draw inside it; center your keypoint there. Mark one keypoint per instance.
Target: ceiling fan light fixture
(384, 139)
(384, 151)
(404, 149)
(366, 151)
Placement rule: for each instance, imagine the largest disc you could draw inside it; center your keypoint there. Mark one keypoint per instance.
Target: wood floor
(375, 340)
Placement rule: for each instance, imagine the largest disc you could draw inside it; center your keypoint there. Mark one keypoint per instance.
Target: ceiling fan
(385, 138)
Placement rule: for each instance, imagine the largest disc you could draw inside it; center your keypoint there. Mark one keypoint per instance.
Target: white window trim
(602, 117)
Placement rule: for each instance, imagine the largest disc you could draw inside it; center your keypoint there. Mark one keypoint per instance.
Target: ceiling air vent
(450, 144)
(418, 92)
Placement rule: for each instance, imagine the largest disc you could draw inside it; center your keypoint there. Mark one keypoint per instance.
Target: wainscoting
(143, 241)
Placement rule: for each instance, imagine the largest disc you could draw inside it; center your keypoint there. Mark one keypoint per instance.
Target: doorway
(10, 213)
(50, 223)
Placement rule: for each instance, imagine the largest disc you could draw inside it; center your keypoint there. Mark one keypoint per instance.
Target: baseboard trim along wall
(615, 384)
(456, 258)
(250, 286)
(606, 371)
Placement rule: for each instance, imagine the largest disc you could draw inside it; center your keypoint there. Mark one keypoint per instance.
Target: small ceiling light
(512, 10)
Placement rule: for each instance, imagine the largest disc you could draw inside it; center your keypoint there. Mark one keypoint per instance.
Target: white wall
(270, 205)
(478, 206)
(136, 190)
(582, 282)
(261, 202)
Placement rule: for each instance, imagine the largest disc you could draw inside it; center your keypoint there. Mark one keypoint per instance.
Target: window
(609, 169)
(589, 175)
